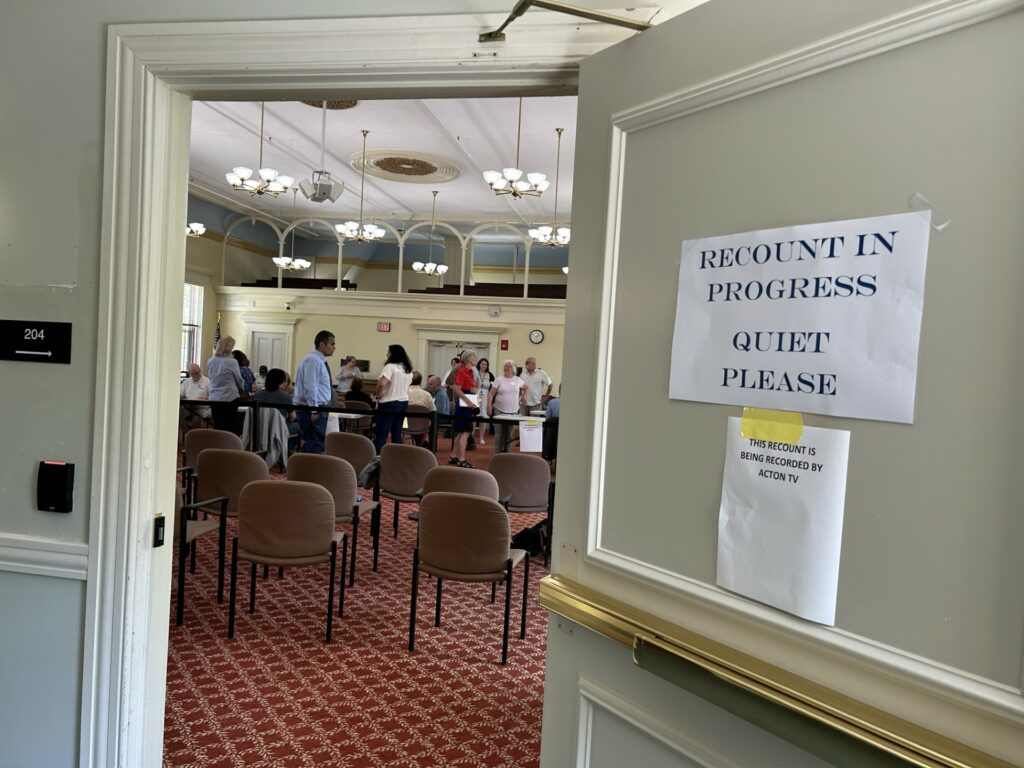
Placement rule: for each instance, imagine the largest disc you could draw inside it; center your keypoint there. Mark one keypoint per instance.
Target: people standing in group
(392, 395)
(467, 405)
(195, 386)
(348, 373)
(248, 379)
(226, 386)
(507, 395)
(437, 391)
(538, 386)
(313, 388)
(486, 379)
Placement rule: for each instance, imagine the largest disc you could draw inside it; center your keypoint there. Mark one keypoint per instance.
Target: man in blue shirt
(313, 387)
(437, 392)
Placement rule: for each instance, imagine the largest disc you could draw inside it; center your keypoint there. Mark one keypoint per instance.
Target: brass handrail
(636, 629)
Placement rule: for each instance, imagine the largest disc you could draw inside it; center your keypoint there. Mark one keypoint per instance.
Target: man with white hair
(195, 386)
(538, 386)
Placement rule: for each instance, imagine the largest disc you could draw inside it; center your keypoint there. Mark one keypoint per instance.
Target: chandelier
(290, 262)
(510, 181)
(431, 267)
(356, 230)
(195, 229)
(553, 235)
(267, 182)
(319, 187)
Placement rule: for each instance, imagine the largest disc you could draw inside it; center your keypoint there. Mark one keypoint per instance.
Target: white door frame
(271, 323)
(153, 72)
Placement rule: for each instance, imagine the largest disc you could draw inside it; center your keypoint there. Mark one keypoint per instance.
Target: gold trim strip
(624, 624)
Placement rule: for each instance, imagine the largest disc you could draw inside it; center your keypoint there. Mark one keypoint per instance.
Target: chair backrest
(197, 440)
(277, 519)
(358, 405)
(224, 472)
(463, 533)
(418, 425)
(403, 468)
(357, 450)
(334, 474)
(476, 482)
(524, 479)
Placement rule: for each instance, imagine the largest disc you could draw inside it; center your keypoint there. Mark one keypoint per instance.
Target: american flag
(216, 333)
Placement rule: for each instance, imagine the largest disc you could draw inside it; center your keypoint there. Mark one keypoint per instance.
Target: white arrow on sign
(27, 352)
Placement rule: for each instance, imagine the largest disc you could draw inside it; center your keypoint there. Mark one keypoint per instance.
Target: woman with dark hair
(243, 368)
(273, 393)
(356, 394)
(392, 395)
(483, 367)
(467, 405)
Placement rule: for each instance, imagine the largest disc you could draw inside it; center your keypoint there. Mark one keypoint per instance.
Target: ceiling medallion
(407, 165)
(335, 104)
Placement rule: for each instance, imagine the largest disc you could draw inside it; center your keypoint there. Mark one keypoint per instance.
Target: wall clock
(536, 336)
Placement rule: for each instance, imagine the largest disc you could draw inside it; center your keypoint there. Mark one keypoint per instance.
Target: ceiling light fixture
(431, 267)
(319, 188)
(510, 181)
(554, 236)
(290, 262)
(267, 182)
(195, 229)
(356, 230)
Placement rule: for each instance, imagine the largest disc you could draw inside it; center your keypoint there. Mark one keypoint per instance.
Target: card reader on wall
(55, 486)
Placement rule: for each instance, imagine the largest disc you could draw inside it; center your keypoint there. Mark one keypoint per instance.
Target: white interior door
(269, 349)
(738, 116)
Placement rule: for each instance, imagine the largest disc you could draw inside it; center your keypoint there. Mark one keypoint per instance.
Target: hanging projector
(320, 188)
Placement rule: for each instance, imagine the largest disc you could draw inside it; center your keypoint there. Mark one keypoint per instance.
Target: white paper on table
(779, 540)
(531, 435)
(333, 423)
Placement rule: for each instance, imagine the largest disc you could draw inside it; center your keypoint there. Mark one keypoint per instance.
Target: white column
(462, 272)
(401, 263)
(526, 272)
(280, 253)
(341, 246)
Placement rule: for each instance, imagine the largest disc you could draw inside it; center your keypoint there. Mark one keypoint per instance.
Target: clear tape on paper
(776, 426)
(919, 202)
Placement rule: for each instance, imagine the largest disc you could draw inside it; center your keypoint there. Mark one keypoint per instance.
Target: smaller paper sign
(780, 524)
(333, 423)
(531, 435)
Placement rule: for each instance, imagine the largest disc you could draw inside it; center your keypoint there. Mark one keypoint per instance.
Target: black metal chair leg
(355, 540)
(437, 603)
(344, 562)
(395, 524)
(280, 571)
(234, 584)
(222, 548)
(415, 592)
(494, 591)
(375, 533)
(252, 589)
(179, 617)
(266, 571)
(330, 589)
(526, 592)
(192, 557)
(508, 608)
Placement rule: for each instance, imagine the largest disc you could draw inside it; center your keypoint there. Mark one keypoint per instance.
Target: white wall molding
(460, 309)
(41, 556)
(593, 695)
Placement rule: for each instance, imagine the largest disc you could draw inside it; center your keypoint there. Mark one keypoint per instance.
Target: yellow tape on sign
(777, 426)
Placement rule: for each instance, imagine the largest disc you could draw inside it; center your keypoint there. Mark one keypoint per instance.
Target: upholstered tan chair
(189, 530)
(287, 524)
(225, 472)
(197, 440)
(338, 477)
(416, 426)
(364, 424)
(476, 482)
(403, 468)
(466, 538)
(524, 485)
(357, 450)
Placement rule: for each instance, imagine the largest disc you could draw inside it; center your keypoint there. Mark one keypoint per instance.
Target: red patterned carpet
(278, 696)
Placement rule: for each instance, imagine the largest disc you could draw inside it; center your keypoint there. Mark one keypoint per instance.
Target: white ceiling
(474, 134)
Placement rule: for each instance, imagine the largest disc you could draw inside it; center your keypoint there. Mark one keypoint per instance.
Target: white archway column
(401, 263)
(526, 271)
(341, 248)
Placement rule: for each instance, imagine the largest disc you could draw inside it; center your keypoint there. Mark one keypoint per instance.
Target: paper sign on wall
(780, 524)
(822, 318)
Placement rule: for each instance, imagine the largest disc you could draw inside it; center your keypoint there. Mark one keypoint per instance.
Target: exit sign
(383, 327)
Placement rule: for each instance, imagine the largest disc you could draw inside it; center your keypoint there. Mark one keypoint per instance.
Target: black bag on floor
(531, 539)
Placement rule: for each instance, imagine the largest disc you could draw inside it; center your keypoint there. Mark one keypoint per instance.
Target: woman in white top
(507, 394)
(483, 367)
(226, 386)
(392, 395)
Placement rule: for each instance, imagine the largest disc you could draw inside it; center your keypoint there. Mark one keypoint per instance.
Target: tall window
(191, 325)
